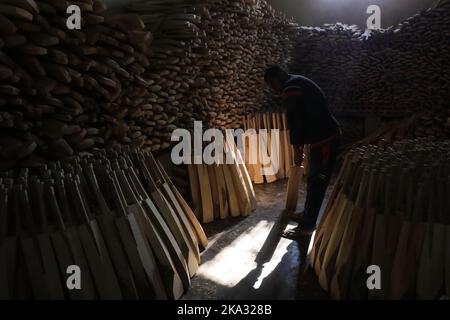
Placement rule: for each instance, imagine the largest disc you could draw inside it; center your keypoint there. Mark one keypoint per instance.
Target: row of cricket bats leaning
(112, 226)
(224, 190)
(269, 147)
(389, 209)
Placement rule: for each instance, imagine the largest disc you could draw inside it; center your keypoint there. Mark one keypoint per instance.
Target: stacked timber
(268, 153)
(177, 41)
(223, 189)
(243, 39)
(132, 79)
(217, 52)
(389, 208)
(66, 91)
(129, 79)
(394, 71)
(118, 217)
(433, 126)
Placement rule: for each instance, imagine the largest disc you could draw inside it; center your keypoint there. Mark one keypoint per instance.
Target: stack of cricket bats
(427, 124)
(371, 61)
(129, 79)
(269, 155)
(389, 209)
(112, 224)
(222, 190)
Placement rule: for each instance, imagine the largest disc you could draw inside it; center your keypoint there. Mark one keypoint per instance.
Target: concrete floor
(247, 259)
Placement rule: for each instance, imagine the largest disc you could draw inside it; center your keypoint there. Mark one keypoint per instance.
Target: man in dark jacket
(310, 122)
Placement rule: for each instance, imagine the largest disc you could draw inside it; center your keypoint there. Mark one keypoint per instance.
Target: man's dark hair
(274, 72)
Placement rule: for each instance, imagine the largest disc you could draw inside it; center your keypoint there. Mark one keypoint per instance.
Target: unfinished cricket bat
(195, 190)
(222, 192)
(238, 181)
(293, 188)
(269, 173)
(258, 177)
(205, 194)
(233, 202)
(279, 145)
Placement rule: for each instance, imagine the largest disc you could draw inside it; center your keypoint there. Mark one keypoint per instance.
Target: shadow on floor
(270, 267)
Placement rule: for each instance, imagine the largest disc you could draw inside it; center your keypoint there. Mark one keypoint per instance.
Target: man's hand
(298, 155)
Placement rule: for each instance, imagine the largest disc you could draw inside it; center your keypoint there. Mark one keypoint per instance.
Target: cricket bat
(293, 187)
(231, 191)
(340, 281)
(222, 195)
(195, 190)
(269, 173)
(280, 147)
(205, 194)
(258, 177)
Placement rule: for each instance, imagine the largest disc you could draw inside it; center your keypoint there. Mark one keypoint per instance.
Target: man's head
(275, 77)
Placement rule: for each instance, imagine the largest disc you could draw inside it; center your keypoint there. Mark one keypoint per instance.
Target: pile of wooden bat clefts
(389, 209)
(222, 190)
(261, 149)
(364, 72)
(173, 73)
(240, 40)
(116, 217)
(64, 91)
(433, 126)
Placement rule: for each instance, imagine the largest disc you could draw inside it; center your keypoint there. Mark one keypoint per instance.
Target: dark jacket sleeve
(293, 102)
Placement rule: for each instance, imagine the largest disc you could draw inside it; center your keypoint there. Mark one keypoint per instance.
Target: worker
(310, 123)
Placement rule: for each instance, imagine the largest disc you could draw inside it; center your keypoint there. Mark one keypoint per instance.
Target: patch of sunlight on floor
(237, 260)
(273, 263)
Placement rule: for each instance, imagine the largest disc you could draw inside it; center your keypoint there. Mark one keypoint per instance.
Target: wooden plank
(93, 243)
(187, 227)
(340, 281)
(30, 248)
(246, 178)
(288, 156)
(135, 244)
(205, 193)
(214, 191)
(222, 192)
(49, 261)
(327, 267)
(358, 287)
(195, 190)
(233, 201)
(246, 144)
(201, 237)
(386, 237)
(15, 12)
(279, 145)
(258, 169)
(328, 222)
(238, 180)
(163, 206)
(114, 244)
(164, 277)
(430, 273)
(293, 187)
(269, 174)
(68, 250)
(406, 257)
(318, 236)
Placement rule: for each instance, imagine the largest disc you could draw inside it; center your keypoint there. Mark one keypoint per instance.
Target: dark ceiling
(318, 12)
